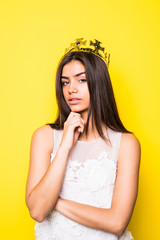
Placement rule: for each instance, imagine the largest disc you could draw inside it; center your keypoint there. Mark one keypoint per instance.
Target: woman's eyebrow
(64, 77)
(76, 75)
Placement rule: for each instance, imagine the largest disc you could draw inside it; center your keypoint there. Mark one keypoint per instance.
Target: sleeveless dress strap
(119, 136)
(57, 134)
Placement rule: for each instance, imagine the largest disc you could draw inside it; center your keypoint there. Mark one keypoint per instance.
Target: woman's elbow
(34, 213)
(36, 216)
(119, 228)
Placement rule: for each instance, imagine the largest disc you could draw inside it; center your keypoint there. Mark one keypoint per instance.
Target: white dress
(89, 179)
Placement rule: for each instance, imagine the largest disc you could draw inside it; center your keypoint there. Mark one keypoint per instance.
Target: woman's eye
(83, 80)
(64, 83)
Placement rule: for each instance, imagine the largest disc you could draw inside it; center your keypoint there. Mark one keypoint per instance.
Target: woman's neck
(92, 131)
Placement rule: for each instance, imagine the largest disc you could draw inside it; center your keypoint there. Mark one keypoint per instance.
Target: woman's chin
(78, 110)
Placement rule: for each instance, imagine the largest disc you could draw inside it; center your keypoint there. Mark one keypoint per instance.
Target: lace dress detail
(89, 179)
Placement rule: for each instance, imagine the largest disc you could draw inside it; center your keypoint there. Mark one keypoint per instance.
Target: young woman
(83, 175)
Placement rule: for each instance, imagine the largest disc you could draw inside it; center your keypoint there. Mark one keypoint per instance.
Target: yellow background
(33, 36)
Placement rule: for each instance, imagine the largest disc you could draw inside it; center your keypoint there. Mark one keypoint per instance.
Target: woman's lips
(74, 100)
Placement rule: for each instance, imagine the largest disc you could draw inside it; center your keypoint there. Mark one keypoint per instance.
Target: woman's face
(75, 87)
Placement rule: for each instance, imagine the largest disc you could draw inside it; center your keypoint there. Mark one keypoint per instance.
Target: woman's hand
(73, 127)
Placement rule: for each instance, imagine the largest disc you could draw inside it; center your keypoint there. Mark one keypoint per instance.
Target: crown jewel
(80, 44)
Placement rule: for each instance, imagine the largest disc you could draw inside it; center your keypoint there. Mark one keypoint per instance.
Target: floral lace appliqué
(95, 173)
(90, 182)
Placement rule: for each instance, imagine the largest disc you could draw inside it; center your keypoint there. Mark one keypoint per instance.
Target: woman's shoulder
(44, 131)
(125, 138)
(130, 148)
(130, 139)
(44, 136)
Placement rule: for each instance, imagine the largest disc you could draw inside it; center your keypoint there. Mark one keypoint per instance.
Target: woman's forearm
(98, 218)
(43, 197)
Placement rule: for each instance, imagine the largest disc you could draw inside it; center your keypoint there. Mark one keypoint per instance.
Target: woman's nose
(72, 88)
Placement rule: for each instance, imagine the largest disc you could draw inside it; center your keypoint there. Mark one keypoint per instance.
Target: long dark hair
(102, 107)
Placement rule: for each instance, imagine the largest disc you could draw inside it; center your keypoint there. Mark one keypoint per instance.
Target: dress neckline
(92, 141)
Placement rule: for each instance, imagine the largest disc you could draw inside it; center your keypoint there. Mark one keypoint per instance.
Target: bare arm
(44, 179)
(116, 218)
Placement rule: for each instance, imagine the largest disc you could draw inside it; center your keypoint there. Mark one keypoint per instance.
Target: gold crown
(79, 47)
